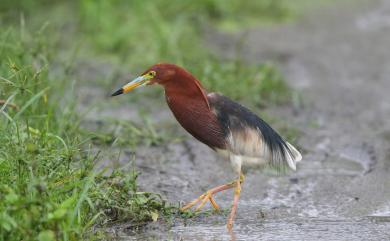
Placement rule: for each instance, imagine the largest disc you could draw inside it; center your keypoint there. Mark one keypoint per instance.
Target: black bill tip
(118, 92)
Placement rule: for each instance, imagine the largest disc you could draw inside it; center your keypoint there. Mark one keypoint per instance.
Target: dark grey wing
(248, 135)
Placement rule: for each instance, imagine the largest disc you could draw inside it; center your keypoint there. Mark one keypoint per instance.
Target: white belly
(238, 161)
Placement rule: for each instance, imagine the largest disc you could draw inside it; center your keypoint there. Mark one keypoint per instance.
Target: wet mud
(338, 60)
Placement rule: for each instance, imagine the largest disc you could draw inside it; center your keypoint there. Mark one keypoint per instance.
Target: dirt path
(339, 60)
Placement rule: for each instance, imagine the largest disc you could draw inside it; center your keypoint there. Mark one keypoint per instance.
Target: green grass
(142, 33)
(128, 134)
(50, 188)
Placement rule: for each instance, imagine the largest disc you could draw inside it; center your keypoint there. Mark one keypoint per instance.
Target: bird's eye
(152, 73)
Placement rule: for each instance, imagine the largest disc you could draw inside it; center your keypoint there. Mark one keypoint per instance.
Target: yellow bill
(139, 81)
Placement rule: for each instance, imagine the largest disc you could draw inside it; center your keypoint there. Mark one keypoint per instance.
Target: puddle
(362, 154)
(304, 229)
(381, 215)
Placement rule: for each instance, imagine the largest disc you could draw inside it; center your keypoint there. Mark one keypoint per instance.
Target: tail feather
(292, 156)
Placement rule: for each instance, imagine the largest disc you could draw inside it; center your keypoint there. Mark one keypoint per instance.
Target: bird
(227, 127)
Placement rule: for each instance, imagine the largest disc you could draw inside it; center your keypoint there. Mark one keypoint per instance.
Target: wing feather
(248, 135)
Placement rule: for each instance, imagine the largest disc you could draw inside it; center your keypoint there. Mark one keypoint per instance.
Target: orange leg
(237, 193)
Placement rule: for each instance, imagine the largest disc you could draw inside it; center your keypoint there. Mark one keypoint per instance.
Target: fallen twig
(2, 102)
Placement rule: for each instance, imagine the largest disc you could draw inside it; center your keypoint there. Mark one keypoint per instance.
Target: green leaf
(11, 198)
(32, 147)
(154, 215)
(7, 222)
(141, 200)
(58, 214)
(46, 235)
(68, 203)
(30, 102)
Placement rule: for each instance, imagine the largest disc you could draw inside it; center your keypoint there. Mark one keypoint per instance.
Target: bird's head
(164, 74)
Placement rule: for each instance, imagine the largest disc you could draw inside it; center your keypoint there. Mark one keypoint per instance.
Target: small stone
(294, 180)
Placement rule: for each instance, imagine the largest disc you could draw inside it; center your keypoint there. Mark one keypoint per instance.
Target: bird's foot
(207, 196)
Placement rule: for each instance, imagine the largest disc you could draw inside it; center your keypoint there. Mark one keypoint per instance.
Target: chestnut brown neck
(189, 104)
(184, 85)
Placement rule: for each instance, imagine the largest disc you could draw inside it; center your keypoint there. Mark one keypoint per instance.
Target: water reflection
(233, 236)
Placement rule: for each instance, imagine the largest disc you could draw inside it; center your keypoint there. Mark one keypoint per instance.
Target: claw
(208, 196)
(215, 205)
(189, 205)
(205, 199)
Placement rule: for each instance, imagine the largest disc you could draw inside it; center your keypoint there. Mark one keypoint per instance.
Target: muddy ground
(337, 58)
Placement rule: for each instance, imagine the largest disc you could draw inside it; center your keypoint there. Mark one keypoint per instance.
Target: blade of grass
(30, 102)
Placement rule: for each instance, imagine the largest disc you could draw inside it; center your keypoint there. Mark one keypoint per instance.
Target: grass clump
(130, 135)
(49, 188)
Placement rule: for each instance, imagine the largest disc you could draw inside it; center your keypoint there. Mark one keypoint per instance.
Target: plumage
(250, 137)
(192, 110)
(224, 125)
